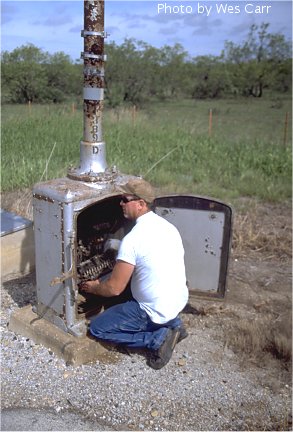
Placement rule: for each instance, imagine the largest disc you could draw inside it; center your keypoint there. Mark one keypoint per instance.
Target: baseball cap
(140, 188)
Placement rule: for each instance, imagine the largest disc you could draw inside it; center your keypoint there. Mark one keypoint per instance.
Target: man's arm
(113, 286)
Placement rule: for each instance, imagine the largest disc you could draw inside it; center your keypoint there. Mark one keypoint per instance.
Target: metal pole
(93, 149)
(93, 57)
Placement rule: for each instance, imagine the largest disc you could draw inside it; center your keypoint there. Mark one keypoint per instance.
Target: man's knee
(96, 329)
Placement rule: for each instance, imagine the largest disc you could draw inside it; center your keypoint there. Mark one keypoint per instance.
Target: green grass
(28, 138)
(243, 155)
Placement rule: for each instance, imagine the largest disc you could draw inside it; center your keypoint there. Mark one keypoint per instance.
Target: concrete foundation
(17, 245)
(73, 350)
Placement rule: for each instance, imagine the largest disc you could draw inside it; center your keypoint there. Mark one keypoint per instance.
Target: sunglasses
(126, 199)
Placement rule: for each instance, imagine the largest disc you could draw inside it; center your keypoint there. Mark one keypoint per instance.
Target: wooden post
(29, 107)
(133, 114)
(210, 122)
(73, 108)
(286, 129)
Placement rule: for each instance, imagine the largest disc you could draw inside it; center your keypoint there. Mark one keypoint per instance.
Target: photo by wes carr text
(219, 8)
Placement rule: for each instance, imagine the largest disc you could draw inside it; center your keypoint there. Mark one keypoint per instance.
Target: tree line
(137, 72)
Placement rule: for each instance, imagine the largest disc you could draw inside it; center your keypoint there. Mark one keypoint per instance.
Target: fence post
(286, 129)
(133, 112)
(210, 122)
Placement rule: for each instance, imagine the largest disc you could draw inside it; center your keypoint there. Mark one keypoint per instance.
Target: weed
(273, 238)
(255, 338)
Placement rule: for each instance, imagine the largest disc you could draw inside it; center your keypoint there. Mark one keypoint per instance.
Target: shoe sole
(161, 361)
(182, 337)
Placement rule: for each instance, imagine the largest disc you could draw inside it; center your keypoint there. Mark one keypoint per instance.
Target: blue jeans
(128, 324)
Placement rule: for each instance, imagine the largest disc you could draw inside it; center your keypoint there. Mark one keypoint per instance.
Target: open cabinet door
(205, 226)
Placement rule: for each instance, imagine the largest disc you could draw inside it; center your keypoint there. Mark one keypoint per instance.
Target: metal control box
(73, 224)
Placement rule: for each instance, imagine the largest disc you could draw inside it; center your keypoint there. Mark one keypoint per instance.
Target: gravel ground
(204, 386)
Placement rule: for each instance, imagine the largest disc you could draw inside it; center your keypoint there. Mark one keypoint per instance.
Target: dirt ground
(256, 314)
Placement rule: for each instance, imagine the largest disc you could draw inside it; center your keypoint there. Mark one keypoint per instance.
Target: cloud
(171, 23)
(239, 29)
(7, 7)
(49, 23)
(54, 21)
(159, 18)
(57, 15)
(57, 21)
(113, 30)
(7, 12)
(168, 30)
(135, 24)
(165, 18)
(75, 29)
(207, 27)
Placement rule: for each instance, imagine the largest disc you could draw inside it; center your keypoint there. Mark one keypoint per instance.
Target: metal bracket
(93, 72)
(94, 56)
(63, 277)
(93, 93)
(78, 329)
(94, 33)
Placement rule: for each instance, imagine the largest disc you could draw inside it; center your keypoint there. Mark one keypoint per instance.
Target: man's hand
(113, 286)
(90, 287)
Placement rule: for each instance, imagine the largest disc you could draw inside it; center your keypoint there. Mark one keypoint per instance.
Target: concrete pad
(73, 350)
(29, 419)
(17, 245)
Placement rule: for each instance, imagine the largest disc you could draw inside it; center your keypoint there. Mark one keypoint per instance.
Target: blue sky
(201, 27)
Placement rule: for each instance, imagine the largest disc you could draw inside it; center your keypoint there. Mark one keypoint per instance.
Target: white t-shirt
(158, 283)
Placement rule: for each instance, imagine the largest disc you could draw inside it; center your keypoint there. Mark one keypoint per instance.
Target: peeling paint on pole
(93, 163)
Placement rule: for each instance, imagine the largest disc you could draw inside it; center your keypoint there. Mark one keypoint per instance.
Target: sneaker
(161, 357)
(182, 333)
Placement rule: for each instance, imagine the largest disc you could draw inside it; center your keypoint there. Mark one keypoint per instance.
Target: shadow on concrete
(27, 257)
